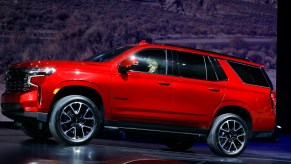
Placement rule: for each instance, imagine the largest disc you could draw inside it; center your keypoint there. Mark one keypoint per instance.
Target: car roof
(144, 44)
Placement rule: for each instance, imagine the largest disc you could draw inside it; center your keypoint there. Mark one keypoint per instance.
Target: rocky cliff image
(75, 30)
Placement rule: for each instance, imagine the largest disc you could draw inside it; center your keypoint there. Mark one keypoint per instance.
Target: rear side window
(218, 69)
(250, 74)
(191, 65)
(211, 74)
(214, 70)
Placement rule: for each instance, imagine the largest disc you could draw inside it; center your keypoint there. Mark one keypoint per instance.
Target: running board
(120, 125)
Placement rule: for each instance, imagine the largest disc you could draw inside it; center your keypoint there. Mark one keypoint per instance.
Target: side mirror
(126, 65)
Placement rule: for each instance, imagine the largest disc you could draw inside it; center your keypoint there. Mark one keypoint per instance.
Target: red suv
(146, 87)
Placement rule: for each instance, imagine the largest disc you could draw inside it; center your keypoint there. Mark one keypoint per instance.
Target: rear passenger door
(197, 90)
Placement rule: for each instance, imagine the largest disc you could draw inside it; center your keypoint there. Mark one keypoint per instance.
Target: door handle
(214, 89)
(164, 83)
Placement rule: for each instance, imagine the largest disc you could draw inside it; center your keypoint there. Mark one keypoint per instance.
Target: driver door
(142, 94)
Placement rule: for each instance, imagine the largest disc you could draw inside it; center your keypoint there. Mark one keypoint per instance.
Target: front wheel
(74, 120)
(228, 135)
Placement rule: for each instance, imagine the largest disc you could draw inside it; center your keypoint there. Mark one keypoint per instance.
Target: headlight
(41, 71)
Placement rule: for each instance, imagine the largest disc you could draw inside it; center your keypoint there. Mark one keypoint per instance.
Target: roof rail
(208, 52)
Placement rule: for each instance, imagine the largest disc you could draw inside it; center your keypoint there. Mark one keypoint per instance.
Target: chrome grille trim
(17, 80)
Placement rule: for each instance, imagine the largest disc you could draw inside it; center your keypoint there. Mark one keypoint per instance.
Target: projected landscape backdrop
(75, 30)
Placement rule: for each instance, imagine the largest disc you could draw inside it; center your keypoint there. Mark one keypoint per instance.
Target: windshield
(108, 56)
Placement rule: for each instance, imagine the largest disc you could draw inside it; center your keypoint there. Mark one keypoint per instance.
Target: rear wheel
(74, 120)
(33, 132)
(228, 135)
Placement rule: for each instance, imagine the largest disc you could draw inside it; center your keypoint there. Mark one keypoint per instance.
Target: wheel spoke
(66, 132)
(229, 148)
(222, 137)
(240, 135)
(69, 120)
(232, 143)
(237, 128)
(233, 127)
(224, 129)
(228, 128)
(82, 128)
(226, 140)
(75, 133)
(89, 118)
(78, 111)
(238, 138)
(87, 110)
(239, 141)
(62, 123)
(72, 109)
(88, 127)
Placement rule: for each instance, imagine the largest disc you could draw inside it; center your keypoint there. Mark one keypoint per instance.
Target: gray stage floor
(15, 147)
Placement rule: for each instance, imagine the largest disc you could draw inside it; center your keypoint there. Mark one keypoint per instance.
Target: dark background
(283, 67)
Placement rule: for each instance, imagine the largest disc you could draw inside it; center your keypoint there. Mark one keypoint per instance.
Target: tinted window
(191, 65)
(151, 61)
(250, 74)
(218, 69)
(211, 74)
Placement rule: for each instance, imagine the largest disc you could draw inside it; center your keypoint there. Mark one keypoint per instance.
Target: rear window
(250, 74)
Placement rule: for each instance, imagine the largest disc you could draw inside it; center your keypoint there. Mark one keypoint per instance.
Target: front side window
(191, 65)
(151, 61)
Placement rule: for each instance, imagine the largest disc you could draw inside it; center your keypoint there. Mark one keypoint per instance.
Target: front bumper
(22, 107)
(27, 101)
(16, 113)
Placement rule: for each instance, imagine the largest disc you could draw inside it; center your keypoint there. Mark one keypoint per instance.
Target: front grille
(16, 81)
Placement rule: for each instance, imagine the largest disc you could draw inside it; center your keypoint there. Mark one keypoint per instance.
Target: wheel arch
(86, 91)
(240, 111)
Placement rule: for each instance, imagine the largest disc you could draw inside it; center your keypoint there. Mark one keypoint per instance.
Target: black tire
(35, 133)
(179, 145)
(228, 135)
(74, 120)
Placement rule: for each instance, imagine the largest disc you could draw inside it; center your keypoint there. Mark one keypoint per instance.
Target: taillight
(273, 99)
